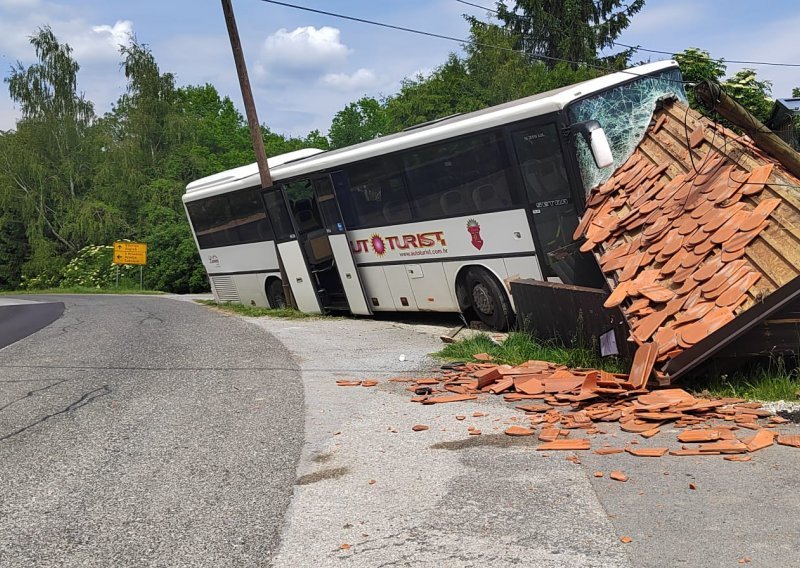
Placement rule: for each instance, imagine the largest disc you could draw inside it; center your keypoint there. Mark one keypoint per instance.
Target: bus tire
(275, 295)
(488, 300)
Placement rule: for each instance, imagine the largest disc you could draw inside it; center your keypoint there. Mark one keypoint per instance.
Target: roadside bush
(43, 267)
(92, 267)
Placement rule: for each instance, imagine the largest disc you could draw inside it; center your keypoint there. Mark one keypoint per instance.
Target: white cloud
(360, 79)
(99, 42)
(304, 48)
(118, 34)
(20, 19)
(95, 42)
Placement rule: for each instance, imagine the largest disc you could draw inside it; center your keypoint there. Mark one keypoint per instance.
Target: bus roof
(243, 172)
(311, 160)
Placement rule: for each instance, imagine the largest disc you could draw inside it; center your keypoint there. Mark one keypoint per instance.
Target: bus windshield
(624, 112)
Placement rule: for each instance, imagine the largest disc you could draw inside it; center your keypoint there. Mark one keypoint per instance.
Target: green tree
(572, 30)
(502, 75)
(315, 139)
(752, 93)
(360, 121)
(491, 73)
(48, 161)
(148, 104)
(173, 264)
(447, 90)
(14, 249)
(697, 65)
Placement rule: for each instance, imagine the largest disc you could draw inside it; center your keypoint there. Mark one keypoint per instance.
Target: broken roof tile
(671, 223)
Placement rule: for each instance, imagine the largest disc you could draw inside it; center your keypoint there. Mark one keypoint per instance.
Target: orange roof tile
(689, 243)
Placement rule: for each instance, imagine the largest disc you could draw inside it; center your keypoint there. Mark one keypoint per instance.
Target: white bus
(439, 217)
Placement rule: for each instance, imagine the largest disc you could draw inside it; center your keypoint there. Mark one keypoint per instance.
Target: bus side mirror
(597, 141)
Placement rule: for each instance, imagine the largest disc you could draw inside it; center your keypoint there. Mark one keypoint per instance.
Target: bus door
(343, 261)
(290, 251)
(322, 239)
(550, 199)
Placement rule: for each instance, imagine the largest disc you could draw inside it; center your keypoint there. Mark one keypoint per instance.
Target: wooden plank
(783, 248)
(658, 155)
(774, 268)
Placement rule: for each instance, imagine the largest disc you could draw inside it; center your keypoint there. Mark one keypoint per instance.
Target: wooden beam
(713, 97)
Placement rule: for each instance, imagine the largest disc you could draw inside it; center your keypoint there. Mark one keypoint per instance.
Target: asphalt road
(143, 431)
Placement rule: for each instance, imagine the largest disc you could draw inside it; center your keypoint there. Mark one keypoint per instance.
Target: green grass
(521, 347)
(79, 290)
(255, 312)
(768, 381)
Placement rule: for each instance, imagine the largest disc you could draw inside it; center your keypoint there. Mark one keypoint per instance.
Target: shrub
(92, 267)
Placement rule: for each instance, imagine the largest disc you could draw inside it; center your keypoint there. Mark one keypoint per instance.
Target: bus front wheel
(275, 295)
(488, 300)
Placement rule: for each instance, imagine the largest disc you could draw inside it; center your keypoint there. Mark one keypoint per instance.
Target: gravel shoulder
(439, 497)
(443, 498)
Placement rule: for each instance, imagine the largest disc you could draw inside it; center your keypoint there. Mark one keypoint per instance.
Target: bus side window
(542, 163)
(278, 214)
(542, 167)
(460, 177)
(212, 221)
(378, 193)
(249, 217)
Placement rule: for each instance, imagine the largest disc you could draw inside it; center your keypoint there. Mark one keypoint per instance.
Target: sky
(305, 67)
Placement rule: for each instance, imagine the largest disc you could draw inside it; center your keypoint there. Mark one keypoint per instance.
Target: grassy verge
(254, 312)
(79, 290)
(521, 347)
(767, 381)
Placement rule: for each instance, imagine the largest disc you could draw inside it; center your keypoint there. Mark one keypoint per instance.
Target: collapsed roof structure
(698, 235)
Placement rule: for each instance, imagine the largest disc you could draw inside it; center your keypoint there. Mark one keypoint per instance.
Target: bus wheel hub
(482, 299)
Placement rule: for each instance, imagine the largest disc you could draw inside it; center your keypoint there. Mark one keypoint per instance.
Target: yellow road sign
(130, 253)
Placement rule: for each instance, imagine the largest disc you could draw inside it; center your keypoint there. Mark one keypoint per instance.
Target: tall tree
(148, 103)
(696, 65)
(360, 121)
(48, 161)
(502, 75)
(570, 30)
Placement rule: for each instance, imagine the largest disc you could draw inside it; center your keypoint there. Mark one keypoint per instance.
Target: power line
(455, 39)
(639, 48)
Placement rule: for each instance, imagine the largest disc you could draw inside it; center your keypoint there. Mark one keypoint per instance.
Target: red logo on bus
(474, 229)
(378, 245)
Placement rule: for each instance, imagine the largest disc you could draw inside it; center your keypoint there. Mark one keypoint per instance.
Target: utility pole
(255, 127)
(713, 97)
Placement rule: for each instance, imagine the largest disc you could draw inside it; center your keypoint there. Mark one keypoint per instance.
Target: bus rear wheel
(275, 295)
(488, 300)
